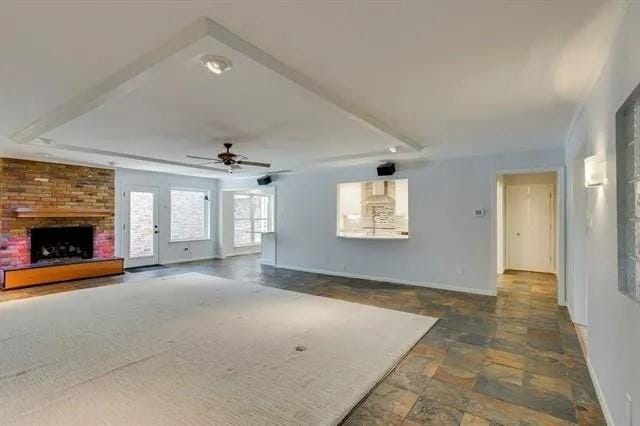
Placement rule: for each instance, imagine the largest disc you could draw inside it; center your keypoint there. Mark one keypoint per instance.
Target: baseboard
(242, 253)
(601, 399)
(267, 262)
(438, 286)
(192, 259)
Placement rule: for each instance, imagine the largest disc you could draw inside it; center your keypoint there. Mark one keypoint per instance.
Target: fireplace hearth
(63, 244)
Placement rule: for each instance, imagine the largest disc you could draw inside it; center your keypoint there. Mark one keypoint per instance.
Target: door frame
(155, 259)
(559, 231)
(553, 255)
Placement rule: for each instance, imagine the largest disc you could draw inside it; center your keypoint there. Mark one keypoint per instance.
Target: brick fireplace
(31, 184)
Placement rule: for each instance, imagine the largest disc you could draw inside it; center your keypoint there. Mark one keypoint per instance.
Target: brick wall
(67, 186)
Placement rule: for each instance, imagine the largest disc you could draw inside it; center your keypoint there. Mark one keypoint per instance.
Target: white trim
(192, 259)
(438, 286)
(559, 220)
(268, 263)
(252, 245)
(256, 250)
(603, 402)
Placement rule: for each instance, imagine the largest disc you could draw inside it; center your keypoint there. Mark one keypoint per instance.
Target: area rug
(194, 349)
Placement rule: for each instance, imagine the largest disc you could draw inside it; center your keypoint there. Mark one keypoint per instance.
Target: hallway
(512, 359)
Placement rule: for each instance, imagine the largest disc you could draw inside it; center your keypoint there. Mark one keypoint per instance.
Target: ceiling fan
(231, 160)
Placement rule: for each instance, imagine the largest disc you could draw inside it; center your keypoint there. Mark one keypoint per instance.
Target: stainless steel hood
(380, 196)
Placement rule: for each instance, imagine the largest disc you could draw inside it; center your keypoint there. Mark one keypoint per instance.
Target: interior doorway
(527, 222)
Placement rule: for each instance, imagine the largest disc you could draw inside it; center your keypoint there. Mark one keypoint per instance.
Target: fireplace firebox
(53, 245)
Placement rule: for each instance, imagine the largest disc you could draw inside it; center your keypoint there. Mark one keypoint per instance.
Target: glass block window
(628, 187)
(189, 215)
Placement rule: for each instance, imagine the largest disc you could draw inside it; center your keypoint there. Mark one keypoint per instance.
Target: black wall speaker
(386, 169)
(264, 180)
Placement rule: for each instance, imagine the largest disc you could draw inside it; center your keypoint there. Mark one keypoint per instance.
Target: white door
(530, 223)
(141, 226)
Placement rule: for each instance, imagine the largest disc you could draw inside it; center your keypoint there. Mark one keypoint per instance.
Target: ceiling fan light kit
(230, 159)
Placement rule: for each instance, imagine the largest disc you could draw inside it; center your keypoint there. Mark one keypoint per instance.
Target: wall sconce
(595, 171)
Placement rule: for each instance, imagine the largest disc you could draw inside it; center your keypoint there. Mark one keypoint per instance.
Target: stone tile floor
(513, 359)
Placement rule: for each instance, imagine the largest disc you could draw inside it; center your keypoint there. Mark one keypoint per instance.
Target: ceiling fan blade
(253, 163)
(201, 158)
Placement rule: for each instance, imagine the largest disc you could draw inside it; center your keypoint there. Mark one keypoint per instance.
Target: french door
(141, 226)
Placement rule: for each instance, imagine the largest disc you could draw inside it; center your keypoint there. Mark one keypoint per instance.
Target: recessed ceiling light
(393, 148)
(43, 141)
(216, 64)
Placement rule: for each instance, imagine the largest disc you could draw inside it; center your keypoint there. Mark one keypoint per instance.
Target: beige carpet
(193, 349)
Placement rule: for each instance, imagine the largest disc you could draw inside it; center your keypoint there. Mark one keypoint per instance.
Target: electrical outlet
(460, 270)
(629, 410)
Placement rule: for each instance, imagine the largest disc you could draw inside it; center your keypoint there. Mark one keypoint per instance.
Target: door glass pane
(140, 224)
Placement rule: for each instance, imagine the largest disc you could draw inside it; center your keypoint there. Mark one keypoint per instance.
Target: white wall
(577, 280)
(614, 319)
(530, 178)
(169, 252)
(448, 247)
(500, 223)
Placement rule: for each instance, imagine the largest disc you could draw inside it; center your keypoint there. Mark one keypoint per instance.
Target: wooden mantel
(60, 212)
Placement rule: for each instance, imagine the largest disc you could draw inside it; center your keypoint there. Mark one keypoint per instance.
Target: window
(628, 186)
(374, 209)
(189, 215)
(251, 216)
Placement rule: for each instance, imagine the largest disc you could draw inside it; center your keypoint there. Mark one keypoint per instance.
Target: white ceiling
(458, 77)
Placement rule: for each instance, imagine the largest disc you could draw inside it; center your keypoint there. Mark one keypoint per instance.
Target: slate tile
(372, 415)
(430, 412)
(494, 410)
(446, 394)
(468, 357)
(410, 374)
(455, 376)
(473, 420)
(506, 358)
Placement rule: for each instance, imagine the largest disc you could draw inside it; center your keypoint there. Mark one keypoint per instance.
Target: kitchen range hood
(380, 196)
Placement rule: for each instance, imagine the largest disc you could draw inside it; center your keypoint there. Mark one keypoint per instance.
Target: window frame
(207, 214)
(252, 219)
